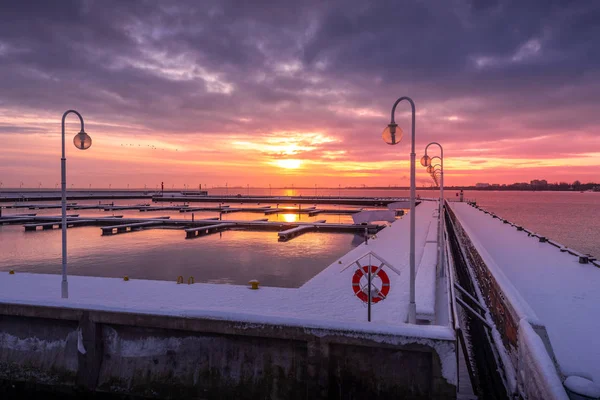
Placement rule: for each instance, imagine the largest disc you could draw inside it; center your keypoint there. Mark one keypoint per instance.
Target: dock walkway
(562, 292)
(328, 297)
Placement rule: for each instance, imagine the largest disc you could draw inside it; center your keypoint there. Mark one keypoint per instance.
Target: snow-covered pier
(541, 301)
(154, 338)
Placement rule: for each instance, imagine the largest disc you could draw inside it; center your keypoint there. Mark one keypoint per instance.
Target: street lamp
(83, 142)
(392, 135)
(427, 161)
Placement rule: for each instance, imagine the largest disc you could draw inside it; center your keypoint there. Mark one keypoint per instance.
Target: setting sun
(289, 164)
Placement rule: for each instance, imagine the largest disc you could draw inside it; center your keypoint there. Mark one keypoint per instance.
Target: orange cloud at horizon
(280, 158)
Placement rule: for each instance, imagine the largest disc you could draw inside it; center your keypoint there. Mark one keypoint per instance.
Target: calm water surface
(570, 218)
(235, 257)
(232, 257)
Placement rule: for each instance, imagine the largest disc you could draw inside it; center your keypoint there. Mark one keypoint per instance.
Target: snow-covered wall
(182, 357)
(521, 339)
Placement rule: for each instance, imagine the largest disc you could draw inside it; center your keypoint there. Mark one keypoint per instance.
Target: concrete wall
(173, 357)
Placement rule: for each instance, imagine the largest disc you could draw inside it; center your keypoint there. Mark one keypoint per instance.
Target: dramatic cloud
(298, 92)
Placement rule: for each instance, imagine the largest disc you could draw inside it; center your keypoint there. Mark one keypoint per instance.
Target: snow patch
(80, 346)
(8, 341)
(582, 386)
(536, 369)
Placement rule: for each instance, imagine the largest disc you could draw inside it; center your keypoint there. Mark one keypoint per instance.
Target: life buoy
(376, 294)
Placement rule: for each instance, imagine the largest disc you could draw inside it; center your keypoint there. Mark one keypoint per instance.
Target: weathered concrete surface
(173, 357)
(40, 350)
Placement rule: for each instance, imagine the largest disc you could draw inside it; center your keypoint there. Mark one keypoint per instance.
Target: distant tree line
(536, 185)
(532, 186)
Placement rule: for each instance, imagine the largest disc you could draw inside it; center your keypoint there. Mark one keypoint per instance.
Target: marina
(299, 200)
(442, 300)
(193, 228)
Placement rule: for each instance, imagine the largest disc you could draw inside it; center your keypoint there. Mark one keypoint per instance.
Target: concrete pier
(163, 340)
(537, 297)
(166, 357)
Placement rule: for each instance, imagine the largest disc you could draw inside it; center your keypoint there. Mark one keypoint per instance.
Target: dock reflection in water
(233, 256)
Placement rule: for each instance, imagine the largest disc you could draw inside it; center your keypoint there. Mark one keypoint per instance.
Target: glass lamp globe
(392, 134)
(82, 141)
(430, 169)
(425, 161)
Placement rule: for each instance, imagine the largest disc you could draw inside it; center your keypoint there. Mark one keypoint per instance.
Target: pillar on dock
(90, 351)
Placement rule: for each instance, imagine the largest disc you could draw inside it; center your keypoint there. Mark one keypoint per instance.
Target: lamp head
(392, 134)
(430, 168)
(425, 161)
(82, 141)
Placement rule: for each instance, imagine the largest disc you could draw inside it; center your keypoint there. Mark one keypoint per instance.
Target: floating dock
(200, 227)
(185, 208)
(357, 201)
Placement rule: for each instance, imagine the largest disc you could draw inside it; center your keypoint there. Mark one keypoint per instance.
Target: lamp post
(435, 176)
(427, 161)
(392, 136)
(83, 142)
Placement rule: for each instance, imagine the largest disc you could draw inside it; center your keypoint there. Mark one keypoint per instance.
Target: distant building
(482, 185)
(539, 183)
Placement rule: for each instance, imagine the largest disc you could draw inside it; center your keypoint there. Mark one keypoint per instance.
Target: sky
(298, 92)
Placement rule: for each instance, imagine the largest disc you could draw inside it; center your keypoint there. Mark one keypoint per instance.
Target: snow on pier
(325, 310)
(559, 291)
(326, 297)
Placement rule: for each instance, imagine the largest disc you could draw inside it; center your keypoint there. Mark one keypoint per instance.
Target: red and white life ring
(376, 294)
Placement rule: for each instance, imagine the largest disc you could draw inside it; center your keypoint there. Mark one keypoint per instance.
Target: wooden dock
(207, 230)
(71, 223)
(291, 233)
(50, 225)
(357, 201)
(185, 208)
(129, 227)
(117, 224)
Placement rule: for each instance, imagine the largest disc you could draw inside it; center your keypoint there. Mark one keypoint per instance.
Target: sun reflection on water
(290, 217)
